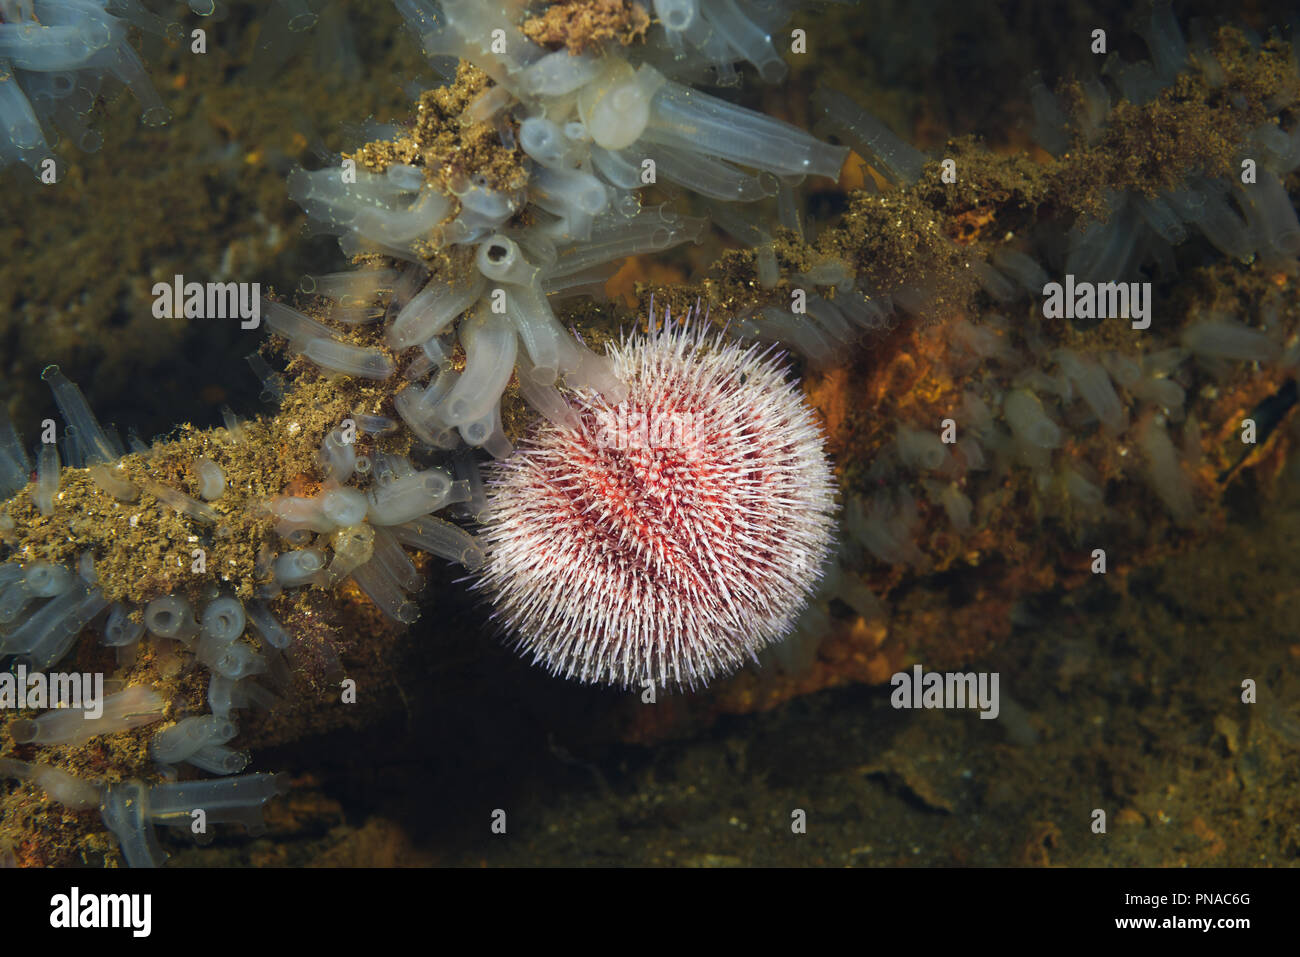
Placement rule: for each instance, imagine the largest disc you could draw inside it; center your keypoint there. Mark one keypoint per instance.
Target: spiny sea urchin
(669, 537)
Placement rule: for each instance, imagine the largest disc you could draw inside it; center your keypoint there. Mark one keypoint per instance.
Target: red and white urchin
(671, 537)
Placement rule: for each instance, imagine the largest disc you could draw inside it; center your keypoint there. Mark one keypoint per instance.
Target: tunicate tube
(364, 362)
(686, 118)
(175, 744)
(543, 338)
(499, 258)
(388, 551)
(747, 38)
(219, 759)
(106, 478)
(647, 232)
(430, 311)
(919, 449)
(76, 412)
(543, 140)
(878, 145)
(558, 74)
(546, 399)
(1223, 339)
(125, 811)
(72, 792)
(373, 579)
(233, 660)
(1095, 388)
(433, 535)
(132, 708)
(707, 176)
(336, 457)
(343, 506)
(120, 631)
(1024, 413)
(409, 497)
(490, 344)
(487, 433)
(61, 633)
(266, 623)
(181, 502)
(1270, 206)
(223, 619)
(48, 474)
(616, 106)
(17, 120)
(63, 611)
(170, 616)
(299, 567)
(40, 48)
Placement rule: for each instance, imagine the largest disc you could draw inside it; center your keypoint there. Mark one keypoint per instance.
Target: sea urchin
(672, 536)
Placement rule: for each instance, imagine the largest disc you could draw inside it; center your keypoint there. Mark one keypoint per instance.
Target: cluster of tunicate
(343, 532)
(592, 131)
(1241, 219)
(1029, 403)
(45, 607)
(55, 56)
(367, 510)
(131, 809)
